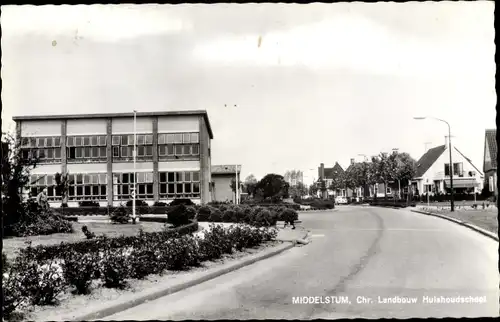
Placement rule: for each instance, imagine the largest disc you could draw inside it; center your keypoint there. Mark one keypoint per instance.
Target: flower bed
(39, 275)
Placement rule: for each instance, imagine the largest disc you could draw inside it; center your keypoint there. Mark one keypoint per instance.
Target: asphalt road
(360, 257)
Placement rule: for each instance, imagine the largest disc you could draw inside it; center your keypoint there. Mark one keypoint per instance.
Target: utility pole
(134, 193)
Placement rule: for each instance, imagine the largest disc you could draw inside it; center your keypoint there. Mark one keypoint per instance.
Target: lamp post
(134, 218)
(452, 196)
(237, 188)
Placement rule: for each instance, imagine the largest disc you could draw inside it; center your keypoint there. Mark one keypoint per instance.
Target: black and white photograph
(245, 161)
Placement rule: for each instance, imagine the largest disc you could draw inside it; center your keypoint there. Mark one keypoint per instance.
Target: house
(490, 161)
(433, 172)
(328, 175)
(222, 175)
(173, 155)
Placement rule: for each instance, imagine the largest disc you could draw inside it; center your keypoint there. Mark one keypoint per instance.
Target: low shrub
(204, 213)
(216, 215)
(178, 215)
(323, 204)
(289, 216)
(182, 201)
(89, 203)
(88, 234)
(120, 216)
(114, 267)
(80, 269)
(39, 274)
(43, 223)
(159, 204)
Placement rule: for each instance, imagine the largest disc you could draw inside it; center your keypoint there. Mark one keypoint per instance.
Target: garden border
(151, 296)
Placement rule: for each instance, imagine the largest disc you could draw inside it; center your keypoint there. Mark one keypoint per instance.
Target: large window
(458, 169)
(178, 145)
(179, 184)
(123, 146)
(46, 149)
(123, 185)
(88, 186)
(43, 181)
(86, 147)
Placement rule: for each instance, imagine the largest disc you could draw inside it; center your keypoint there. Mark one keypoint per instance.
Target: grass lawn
(486, 219)
(11, 246)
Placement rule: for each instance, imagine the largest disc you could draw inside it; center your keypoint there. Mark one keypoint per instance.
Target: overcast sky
(285, 86)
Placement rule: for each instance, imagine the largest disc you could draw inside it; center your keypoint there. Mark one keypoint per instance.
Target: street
(362, 257)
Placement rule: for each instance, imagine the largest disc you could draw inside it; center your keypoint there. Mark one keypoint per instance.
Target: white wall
(129, 167)
(47, 169)
(436, 171)
(41, 128)
(172, 124)
(86, 127)
(87, 168)
(126, 125)
(179, 166)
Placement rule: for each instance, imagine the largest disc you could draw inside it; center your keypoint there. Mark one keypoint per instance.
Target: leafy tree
(15, 178)
(313, 189)
(250, 185)
(62, 186)
(405, 168)
(299, 190)
(273, 185)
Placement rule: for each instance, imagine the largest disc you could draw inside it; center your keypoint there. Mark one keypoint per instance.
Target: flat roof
(116, 115)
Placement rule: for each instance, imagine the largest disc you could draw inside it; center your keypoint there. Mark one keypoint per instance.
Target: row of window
(41, 142)
(93, 186)
(117, 140)
(42, 154)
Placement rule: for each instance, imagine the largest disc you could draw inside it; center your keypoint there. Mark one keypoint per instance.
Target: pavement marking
(317, 235)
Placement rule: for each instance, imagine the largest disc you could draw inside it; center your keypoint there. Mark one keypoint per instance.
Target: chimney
(322, 171)
(352, 161)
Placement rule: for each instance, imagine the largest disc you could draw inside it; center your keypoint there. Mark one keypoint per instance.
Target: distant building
(433, 172)
(222, 175)
(96, 150)
(294, 177)
(329, 175)
(490, 161)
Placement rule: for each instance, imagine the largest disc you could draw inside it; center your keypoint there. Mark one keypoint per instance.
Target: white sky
(311, 83)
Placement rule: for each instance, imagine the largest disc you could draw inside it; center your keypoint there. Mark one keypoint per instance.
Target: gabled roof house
(433, 172)
(490, 160)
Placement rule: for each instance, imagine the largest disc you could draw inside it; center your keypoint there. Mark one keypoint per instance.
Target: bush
(43, 223)
(289, 216)
(5, 263)
(323, 204)
(80, 269)
(120, 216)
(115, 268)
(89, 204)
(181, 201)
(216, 216)
(87, 232)
(141, 207)
(159, 204)
(204, 213)
(178, 215)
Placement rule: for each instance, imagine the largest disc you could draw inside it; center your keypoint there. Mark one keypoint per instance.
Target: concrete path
(360, 257)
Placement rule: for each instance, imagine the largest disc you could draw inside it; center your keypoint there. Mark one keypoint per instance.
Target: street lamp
(452, 201)
(237, 190)
(135, 174)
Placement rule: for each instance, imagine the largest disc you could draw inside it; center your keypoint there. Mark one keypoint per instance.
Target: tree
(298, 191)
(273, 186)
(405, 168)
(62, 186)
(15, 178)
(250, 185)
(384, 170)
(360, 176)
(313, 189)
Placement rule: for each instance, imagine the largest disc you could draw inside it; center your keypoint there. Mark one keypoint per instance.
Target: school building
(96, 150)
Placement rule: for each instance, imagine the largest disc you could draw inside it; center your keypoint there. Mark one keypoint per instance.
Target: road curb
(140, 299)
(462, 223)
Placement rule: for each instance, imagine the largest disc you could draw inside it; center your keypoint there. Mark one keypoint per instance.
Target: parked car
(341, 200)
